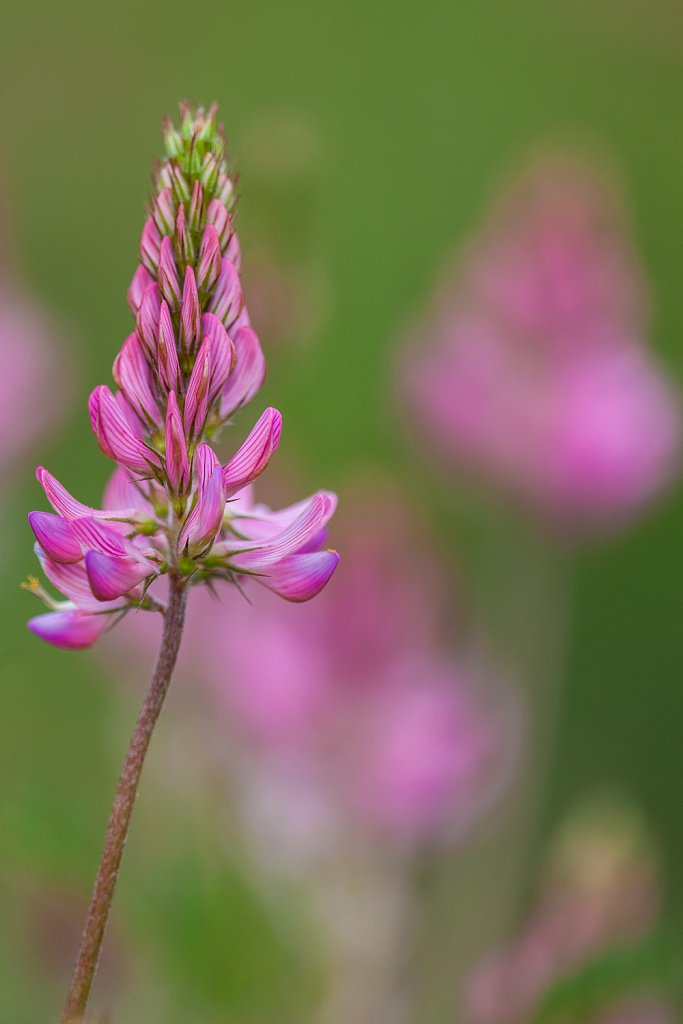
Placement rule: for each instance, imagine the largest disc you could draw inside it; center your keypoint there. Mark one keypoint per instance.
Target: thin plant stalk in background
(173, 516)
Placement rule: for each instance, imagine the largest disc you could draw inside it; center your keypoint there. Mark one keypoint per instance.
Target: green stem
(119, 821)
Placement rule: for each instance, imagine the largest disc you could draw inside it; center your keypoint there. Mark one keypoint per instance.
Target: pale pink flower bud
(197, 397)
(168, 366)
(190, 313)
(133, 375)
(169, 283)
(71, 630)
(150, 246)
(183, 236)
(164, 212)
(148, 321)
(209, 265)
(177, 462)
(205, 519)
(142, 279)
(196, 211)
(218, 216)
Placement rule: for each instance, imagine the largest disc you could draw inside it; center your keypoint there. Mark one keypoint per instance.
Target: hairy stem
(119, 821)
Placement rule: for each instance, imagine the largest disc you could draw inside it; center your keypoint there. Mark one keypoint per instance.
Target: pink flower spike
(165, 211)
(142, 279)
(227, 299)
(300, 577)
(177, 463)
(190, 313)
(115, 436)
(197, 397)
(169, 282)
(132, 373)
(209, 265)
(168, 366)
(55, 536)
(112, 576)
(70, 630)
(148, 321)
(150, 246)
(248, 374)
(255, 454)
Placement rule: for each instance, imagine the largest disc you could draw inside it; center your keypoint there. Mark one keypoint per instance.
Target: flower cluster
(191, 363)
(532, 370)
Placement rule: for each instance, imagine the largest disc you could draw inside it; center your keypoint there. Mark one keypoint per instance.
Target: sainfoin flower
(190, 364)
(531, 371)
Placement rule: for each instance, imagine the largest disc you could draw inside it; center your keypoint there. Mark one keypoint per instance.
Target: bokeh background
(370, 138)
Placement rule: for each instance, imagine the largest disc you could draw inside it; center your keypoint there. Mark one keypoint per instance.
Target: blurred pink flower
(31, 395)
(532, 371)
(358, 704)
(601, 888)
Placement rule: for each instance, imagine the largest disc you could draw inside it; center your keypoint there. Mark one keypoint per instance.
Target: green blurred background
(413, 113)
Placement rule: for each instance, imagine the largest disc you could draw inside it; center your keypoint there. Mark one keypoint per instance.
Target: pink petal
(197, 397)
(68, 506)
(190, 313)
(209, 264)
(115, 436)
(248, 374)
(177, 463)
(142, 279)
(255, 454)
(168, 366)
(226, 299)
(98, 536)
(148, 321)
(294, 537)
(150, 243)
(302, 576)
(70, 630)
(169, 282)
(133, 375)
(55, 536)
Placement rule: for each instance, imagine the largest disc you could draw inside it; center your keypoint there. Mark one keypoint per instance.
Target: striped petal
(248, 374)
(112, 576)
(255, 454)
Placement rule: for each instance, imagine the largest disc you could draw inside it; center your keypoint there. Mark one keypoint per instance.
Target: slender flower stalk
(171, 508)
(119, 821)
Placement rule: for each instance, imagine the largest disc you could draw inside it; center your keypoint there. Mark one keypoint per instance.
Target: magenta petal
(300, 577)
(255, 454)
(142, 279)
(248, 374)
(55, 536)
(150, 243)
(111, 576)
(206, 518)
(71, 630)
